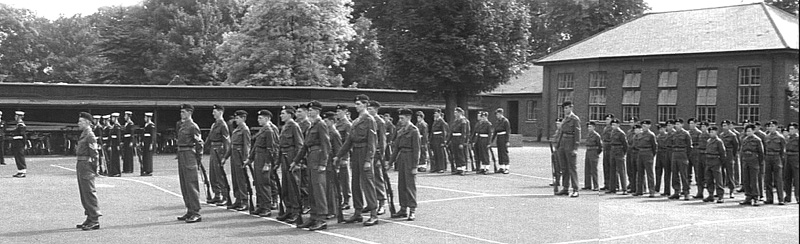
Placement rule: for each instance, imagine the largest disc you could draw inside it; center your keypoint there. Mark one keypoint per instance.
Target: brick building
(714, 64)
(521, 99)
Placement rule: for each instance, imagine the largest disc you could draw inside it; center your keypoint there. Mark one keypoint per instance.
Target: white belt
(483, 135)
(437, 132)
(501, 133)
(127, 135)
(146, 134)
(17, 138)
(113, 137)
(387, 133)
(456, 134)
(105, 138)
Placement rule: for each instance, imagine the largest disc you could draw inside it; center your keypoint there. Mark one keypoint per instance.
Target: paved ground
(514, 208)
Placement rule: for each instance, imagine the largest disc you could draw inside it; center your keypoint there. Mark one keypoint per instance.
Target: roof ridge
(774, 26)
(706, 8)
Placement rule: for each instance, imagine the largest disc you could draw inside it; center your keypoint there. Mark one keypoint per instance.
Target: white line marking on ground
(482, 196)
(448, 189)
(441, 231)
(222, 207)
(531, 176)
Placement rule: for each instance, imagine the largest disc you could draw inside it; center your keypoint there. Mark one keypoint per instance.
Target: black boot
(355, 218)
(400, 214)
(373, 218)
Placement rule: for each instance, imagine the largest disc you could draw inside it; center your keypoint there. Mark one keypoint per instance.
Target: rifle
(553, 164)
(338, 194)
(199, 157)
(389, 191)
(470, 151)
(296, 182)
(105, 159)
(226, 186)
(277, 183)
(494, 160)
(250, 205)
(138, 151)
(448, 157)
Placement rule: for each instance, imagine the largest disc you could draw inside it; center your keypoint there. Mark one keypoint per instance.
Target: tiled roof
(748, 27)
(530, 81)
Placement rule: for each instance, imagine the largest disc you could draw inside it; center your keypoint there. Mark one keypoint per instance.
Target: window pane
(663, 95)
(701, 96)
(712, 78)
(637, 95)
(673, 96)
(673, 79)
(711, 98)
(702, 78)
(663, 79)
(755, 76)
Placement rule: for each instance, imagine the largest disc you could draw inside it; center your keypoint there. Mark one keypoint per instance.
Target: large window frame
(749, 92)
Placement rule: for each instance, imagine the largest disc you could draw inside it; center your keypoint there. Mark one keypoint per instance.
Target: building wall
(775, 68)
(528, 119)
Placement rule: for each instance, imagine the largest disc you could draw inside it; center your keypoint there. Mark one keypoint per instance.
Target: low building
(521, 99)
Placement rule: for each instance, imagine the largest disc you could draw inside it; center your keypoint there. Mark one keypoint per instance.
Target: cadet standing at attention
(333, 166)
(481, 142)
(406, 158)
(115, 142)
(302, 121)
(316, 149)
(752, 153)
(700, 164)
(189, 145)
(647, 147)
(424, 139)
(290, 141)
(390, 133)
(440, 135)
(619, 145)
(127, 143)
(106, 146)
(594, 146)
(662, 162)
(714, 151)
(775, 152)
(220, 142)
(263, 156)
(728, 163)
(86, 169)
(239, 152)
(501, 134)
(681, 147)
(19, 137)
(568, 138)
(608, 171)
(792, 168)
(344, 126)
(378, 162)
(459, 140)
(97, 129)
(149, 138)
(362, 140)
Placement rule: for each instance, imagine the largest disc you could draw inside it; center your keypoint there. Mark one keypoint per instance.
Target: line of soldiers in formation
(756, 161)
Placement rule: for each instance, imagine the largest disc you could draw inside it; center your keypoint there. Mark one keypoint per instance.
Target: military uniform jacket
(502, 128)
(149, 134)
(19, 135)
(86, 148)
(715, 147)
(115, 134)
(774, 144)
(290, 137)
(662, 141)
(570, 128)
(460, 131)
(682, 140)
(407, 141)
(792, 145)
(440, 128)
(362, 135)
(422, 126)
(669, 143)
(127, 134)
(702, 139)
(304, 126)
(219, 132)
(336, 145)
(695, 133)
(761, 135)
(593, 142)
(343, 126)
(483, 130)
(631, 136)
(107, 134)
(731, 140)
(646, 141)
(265, 141)
(316, 138)
(606, 136)
(618, 139)
(752, 146)
(381, 130)
(241, 137)
(98, 133)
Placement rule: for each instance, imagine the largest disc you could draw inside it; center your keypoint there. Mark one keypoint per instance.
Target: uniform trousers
(261, 178)
(502, 150)
(773, 178)
(238, 177)
(750, 171)
(645, 168)
(680, 173)
(713, 176)
(790, 172)
(699, 169)
(590, 168)
(217, 182)
(317, 182)
(618, 176)
(406, 179)
(290, 180)
(363, 180)
(190, 186)
(86, 172)
(663, 170)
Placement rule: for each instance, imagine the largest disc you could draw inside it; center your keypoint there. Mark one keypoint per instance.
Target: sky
(52, 9)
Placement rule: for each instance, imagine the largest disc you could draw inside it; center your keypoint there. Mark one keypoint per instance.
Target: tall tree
(71, 54)
(364, 68)
(289, 42)
(22, 57)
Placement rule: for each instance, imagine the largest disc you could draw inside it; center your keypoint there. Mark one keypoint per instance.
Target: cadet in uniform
(332, 167)
(390, 133)
(647, 147)
(316, 149)
(662, 163)
(554, 163)
(86, 169)
(219, 141)
(424, 153)
(681, 147)
(106, 142)
(775, 152)
(378, 162)
(459, 140)
(731, 142)
(694, 155)
(362, 140)
(97, 129)
(700, 163)
(631, 157)
(619, 145)
(440, 135)
(406, 156)
(190, 144)
(594, 146)
(115, 141)
(752, 153)
(501, 134)
(762, 167)
(714, 151)
(302, 121)
(127, 143)
(608, 171)
(149, 138)
(792, 164)
(343, 126)
(264, 155)
(239, 152)
(19, 137)
(568, 138)
(290, 141)
(480, 140)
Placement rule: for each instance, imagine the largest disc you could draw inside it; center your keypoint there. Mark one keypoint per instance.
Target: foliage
(364, 68)
(21, 55)
(794, 89)
(790, 6)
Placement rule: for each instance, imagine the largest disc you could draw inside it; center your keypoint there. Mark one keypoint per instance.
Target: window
(707, 95)
(632, 79)
(566, 86)
(597, 113)
(668, 97)
(666, 113)
(533, 110)
(631, 97)
(631, 94)
(668, 79)
(630, 112)
(749, 92)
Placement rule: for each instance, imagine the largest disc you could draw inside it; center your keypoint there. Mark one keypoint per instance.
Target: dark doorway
(513, 116)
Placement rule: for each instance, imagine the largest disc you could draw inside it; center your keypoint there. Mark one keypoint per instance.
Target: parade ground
(515, 208)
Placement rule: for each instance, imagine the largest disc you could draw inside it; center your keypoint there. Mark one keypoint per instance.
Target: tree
(364, 68)
(794, 89)
(288, 42)
(71, 54)
(790, 6)
(21, 54)
(453, 48)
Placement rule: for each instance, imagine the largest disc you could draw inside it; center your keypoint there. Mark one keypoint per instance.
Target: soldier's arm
(297, 135)
(325, 141)
(372, 141)
(578, 135)
(336, 143)
(93, 148)
(446, 130)
(247, 138)
(346, 146)
(415, 147)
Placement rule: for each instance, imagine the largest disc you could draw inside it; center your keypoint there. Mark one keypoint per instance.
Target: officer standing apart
(647, 147)
(792, 169)
(501, 133)
(568, 138)
(440, 134)
(316, 149)
(219, 141)
(149, 139)
(18, 139)
(344, 126)
(752, 153)
(264, 155)
(86, 169)
(405, 157)
(240, 150)
(378, 161)
(714, 151)
(189, 145)
(362, 140)
(459, 140)
(290, 141)
(594, 146)
(127, 143)
(775, 150)
(681, 147)
(424, 139)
